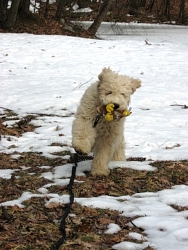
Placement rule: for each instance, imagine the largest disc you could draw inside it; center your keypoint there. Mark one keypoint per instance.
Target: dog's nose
(116, 105)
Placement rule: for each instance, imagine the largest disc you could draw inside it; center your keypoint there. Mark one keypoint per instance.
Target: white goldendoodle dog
(99, 123)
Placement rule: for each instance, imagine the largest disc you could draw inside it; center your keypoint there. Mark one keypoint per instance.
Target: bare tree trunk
(142, 3)
(46, 9)
(12, 13)
(133, 6)
(24, 7)
(182, 11)
(151, 5)
(60, 7)
(163, 7)
(97, 22)
(3, 11)
(168, 9)
(83, 3)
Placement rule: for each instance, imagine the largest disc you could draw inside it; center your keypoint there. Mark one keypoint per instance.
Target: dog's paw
(82, 145)
(80, 153)
(99, 172)
(81, 150)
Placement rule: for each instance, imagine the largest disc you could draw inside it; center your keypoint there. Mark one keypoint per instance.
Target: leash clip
(97, 119)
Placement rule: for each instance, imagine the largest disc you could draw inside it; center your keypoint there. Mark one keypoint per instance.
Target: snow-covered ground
(48, 75)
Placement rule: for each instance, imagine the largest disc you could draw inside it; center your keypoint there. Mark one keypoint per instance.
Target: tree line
(10, 10)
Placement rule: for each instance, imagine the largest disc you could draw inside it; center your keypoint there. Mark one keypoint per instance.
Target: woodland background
(55, 17)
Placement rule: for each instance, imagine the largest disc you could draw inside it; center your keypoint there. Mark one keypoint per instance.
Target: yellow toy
(111, 112)
(110, 107)
(114, 114)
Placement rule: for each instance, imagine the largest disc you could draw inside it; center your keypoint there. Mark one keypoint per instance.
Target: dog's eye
(109, 93)
(122, 94)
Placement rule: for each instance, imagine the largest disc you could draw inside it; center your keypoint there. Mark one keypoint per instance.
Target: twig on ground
(181, 105)
(141, 229)
(81, 84)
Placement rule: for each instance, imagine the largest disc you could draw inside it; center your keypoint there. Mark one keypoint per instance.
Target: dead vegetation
(36, 225)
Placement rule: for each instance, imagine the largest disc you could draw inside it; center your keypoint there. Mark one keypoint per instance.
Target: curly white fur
(106, 140)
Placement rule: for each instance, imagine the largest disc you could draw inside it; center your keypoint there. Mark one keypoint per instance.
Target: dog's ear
(135, 83)
(105, 74)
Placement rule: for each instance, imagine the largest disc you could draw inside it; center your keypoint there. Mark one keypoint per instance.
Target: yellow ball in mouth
(109, 117)
(126, 112)
(110, 107)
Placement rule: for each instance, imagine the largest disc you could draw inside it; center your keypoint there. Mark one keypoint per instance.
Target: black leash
(67, 209)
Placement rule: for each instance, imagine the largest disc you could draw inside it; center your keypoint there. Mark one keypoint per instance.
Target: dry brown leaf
(16, 208)
(52, 205)
(105, 220)
(87, 245)
(115, 238)
(99, 188)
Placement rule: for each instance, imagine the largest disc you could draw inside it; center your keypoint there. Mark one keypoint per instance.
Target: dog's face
(114, 88)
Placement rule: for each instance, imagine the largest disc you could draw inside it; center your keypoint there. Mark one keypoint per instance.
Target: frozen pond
(139, 31)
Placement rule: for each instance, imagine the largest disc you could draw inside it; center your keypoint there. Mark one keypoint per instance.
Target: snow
(112, 228)
(131, 246)
(6, 173)
(137, 236)
(46, 76)
(76, 9)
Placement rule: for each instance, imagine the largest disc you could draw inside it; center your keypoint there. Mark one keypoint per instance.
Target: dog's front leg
(103, 150)
(83, 135)
(119, 153)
